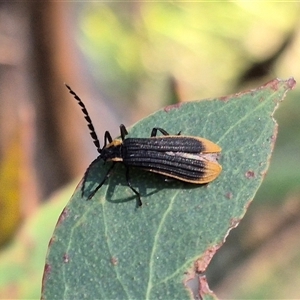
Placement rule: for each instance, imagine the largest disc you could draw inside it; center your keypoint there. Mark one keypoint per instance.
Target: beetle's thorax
(112, 151)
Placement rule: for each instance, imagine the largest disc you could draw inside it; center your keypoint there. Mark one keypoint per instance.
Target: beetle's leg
(107, 138)
(155, 129)
(139, 201)
(102, 182)
(123, 131)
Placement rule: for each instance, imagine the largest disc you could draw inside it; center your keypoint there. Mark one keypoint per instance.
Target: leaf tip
(275, 84)
(291, 83)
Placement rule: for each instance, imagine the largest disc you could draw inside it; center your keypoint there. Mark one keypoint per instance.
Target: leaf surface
(106, 248)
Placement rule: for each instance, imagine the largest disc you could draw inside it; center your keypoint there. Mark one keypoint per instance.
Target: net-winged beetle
(185, 158)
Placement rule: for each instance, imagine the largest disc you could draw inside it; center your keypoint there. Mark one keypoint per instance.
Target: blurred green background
(126, 60)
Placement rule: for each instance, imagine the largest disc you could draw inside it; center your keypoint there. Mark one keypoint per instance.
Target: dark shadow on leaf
(141, 180)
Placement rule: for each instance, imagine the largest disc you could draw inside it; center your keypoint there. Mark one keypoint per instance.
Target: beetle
(185, 158)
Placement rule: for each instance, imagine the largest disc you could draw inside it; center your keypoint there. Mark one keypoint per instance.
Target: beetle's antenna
(88, 119)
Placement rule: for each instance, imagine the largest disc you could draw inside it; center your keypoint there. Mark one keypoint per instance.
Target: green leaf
(107, 248)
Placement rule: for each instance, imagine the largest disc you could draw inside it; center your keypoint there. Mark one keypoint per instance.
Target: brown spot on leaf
(204, 289)
(273, 84)
(114, 261)
(202, 262)
(229, 195)
(291, 83)
(225, 98)
(250, 174)
(263, 173)
(47, 271)
(171, 107)
(198, 286)
(52, 240)
(62, 216)
(273, 138)
(66, 258)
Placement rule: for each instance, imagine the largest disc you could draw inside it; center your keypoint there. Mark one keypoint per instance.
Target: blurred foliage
(133, 50)
(10, 189)
(283, 177)
(22, 261)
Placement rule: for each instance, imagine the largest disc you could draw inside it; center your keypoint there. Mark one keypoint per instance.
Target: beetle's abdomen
(184, 158)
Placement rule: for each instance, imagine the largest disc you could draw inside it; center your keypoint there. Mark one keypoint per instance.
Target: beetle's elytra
(185, 158)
